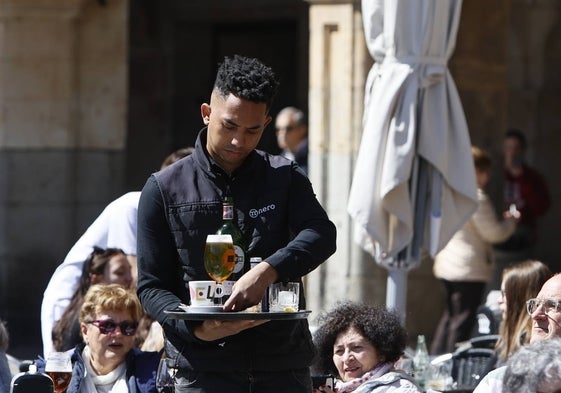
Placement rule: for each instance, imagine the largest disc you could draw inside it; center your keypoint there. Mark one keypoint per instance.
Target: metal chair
(32, 382)
(470, 365)
(486, 341)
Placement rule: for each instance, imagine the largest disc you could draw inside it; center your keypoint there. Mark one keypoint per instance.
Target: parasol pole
(396, 286)
(396, 291)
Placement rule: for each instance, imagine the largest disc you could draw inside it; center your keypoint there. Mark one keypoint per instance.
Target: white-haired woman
(534, 368)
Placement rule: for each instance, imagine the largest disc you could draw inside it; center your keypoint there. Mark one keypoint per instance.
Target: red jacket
(529, 193)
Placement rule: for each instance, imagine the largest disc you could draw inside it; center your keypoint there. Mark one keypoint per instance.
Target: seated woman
(520, 282)
(360, 343)
(103, 266)
(109, 361)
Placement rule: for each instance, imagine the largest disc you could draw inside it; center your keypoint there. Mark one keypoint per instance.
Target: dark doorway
(175, 49)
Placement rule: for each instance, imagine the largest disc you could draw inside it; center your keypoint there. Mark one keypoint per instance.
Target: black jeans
(293, 381)
(459, 317)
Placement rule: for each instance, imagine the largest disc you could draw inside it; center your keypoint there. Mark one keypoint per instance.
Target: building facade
(94, 94)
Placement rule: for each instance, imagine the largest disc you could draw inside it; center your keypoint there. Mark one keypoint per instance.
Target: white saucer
(199, 309)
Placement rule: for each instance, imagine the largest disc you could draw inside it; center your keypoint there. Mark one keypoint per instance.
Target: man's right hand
(251, 287)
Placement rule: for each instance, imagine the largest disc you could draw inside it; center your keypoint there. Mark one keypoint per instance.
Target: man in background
(292, 135)
(525, 191)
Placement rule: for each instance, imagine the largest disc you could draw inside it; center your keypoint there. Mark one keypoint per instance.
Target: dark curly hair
(381, 327)
(246, 78)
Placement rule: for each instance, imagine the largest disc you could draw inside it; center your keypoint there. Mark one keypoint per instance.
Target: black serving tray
(196, 314)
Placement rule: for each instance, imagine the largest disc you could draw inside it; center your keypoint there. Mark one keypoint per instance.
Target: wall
(62, 138)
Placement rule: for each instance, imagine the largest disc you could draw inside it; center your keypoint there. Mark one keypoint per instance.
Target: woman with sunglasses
(108, 361)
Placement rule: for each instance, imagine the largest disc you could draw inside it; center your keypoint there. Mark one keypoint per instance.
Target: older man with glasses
(545, 311)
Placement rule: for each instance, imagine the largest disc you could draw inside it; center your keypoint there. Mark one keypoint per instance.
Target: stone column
(339, 63)
(38, 74)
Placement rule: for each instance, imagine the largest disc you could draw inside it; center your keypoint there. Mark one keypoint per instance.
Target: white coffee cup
(202, 293)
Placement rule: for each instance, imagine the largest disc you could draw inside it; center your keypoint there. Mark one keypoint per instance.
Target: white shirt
(115, 227)
(492, 382)
(113, 382)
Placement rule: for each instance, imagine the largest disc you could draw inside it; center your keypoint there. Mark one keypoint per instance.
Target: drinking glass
(164, 378)
(440, 376)
(59, 368)
(220, 260)
(284, 297)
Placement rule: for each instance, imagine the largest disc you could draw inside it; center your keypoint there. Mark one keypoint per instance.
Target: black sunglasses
(106, 326)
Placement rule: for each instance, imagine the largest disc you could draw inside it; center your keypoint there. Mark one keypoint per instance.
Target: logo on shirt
(254, 213)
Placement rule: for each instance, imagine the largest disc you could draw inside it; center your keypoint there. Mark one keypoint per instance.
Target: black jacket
(283, 222)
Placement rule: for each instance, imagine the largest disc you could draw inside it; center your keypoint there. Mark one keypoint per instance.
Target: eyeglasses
(106, 326)
(287, 128)
(549, 305)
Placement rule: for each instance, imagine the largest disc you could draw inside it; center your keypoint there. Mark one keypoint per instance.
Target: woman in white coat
(466, 263)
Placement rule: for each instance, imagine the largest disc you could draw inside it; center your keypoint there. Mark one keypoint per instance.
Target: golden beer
(59, 367)
(60, 380)
(219, 257)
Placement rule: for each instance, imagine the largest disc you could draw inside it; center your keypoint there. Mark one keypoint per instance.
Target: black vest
(193, 204)
(193, 189)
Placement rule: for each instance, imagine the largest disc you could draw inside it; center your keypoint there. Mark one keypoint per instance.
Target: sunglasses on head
(106, 326)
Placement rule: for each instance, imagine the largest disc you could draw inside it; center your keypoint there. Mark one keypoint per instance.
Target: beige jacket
(468, 256)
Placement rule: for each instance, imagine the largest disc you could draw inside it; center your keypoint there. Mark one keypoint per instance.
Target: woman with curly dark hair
(361, 343)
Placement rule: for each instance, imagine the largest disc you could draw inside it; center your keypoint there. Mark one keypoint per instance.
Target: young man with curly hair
(281, 219)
